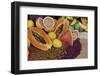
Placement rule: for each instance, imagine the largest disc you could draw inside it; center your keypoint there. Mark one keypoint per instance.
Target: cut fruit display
(67, 38)
(54, 37)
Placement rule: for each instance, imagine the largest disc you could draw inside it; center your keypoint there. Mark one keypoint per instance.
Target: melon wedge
(67, 38)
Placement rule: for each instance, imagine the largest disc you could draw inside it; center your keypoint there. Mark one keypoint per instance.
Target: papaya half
(61, 26)
(39, 39)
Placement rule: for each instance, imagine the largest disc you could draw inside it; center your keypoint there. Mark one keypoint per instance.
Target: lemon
(39, 23)
(52, 35)
(57, 43)
(30, 23)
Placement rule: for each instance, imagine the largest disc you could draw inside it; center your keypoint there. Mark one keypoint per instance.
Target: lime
(30, 23)
(77, 26)
(52, 35)
(57, 43)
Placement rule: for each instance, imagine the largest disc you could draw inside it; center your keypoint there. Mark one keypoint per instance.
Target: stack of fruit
(47, 33)
(58, 31)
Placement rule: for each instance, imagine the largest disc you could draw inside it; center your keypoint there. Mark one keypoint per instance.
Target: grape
(73, 51)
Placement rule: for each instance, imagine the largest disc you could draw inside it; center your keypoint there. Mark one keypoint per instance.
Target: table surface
(84, 41)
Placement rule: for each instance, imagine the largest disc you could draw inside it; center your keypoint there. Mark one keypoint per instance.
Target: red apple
(67, 38)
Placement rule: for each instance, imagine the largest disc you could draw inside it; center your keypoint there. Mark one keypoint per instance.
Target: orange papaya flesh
(58, 26)
(61, 27)
(36, 43)
(65, 28)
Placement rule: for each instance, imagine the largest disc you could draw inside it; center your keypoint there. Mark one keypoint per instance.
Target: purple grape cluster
(72, 52)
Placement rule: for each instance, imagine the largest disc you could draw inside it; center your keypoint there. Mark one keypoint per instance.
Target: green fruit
(77, 26)
(57, 43)
(73, 22)
(30, 23)
(52, 35)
